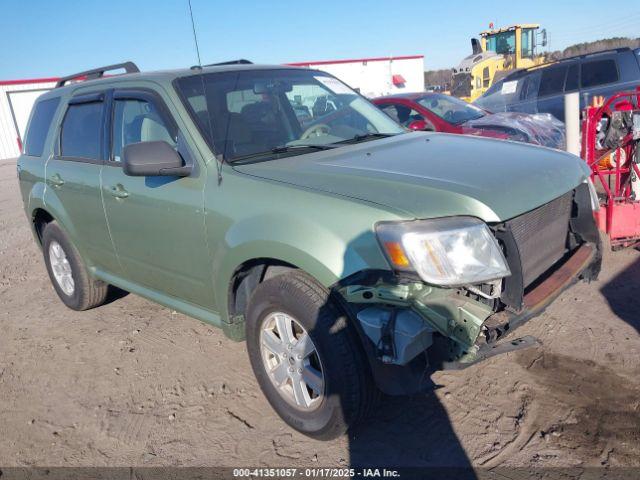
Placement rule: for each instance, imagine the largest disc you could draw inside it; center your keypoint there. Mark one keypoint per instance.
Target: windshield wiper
(281, 149)
(365, 136)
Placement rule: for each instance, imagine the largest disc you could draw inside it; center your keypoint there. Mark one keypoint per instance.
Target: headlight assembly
(450, 251)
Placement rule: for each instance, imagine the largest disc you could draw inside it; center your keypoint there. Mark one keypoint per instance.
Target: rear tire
(68, 273)
(347, 391)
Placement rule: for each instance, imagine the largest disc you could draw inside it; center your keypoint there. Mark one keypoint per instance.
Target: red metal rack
(614, 163)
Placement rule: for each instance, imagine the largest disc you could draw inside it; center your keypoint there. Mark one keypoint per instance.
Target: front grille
(541, 236)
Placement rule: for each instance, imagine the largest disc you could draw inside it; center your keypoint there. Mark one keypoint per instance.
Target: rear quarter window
(39, 126)
(599, 72)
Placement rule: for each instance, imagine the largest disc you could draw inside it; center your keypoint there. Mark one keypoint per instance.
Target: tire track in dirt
(599, 407)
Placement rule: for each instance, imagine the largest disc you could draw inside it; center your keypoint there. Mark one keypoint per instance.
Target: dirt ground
(135, 384)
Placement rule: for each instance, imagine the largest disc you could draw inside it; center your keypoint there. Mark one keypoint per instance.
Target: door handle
(118, 191)
(56, 180)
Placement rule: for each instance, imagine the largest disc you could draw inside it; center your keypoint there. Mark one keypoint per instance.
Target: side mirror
(420, 125)
(151, 159)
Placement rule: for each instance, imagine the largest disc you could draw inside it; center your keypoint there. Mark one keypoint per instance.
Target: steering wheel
(448, 116)
(315, 131)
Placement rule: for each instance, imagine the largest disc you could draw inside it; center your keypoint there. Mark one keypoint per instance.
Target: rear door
(157, 223)
(73, 179)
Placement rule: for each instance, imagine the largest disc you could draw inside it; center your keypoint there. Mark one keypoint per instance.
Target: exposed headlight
(446, 251)
(595, 201)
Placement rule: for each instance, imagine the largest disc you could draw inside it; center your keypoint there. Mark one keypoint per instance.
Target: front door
(157, 223)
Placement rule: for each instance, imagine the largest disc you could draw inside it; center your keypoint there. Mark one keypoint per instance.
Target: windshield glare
(451, 109)
(244, 113)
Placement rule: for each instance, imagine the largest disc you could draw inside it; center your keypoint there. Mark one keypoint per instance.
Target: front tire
(68, 273)
(306, 358)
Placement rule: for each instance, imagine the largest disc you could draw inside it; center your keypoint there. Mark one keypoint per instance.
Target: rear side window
(81, 131)
(599, 72)
(39, 127)
(552, 80)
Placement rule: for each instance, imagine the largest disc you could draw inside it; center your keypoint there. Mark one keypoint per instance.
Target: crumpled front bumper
(583, 264)
(469, 331)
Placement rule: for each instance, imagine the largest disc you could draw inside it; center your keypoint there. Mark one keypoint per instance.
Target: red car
(435, 112)
(443, 113)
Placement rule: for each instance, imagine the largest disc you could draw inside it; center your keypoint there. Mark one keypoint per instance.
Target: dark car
(542, 89)
(444, 113)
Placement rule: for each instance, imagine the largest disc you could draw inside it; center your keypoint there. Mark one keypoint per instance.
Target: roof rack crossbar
(129, 67)
(240, 61)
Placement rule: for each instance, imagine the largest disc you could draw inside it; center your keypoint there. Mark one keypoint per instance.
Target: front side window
(39, 126)
(599, 72)
(450, 109)
(252, 112)
(530, 86)
(136, 121)
(81, 131)
(552, 80)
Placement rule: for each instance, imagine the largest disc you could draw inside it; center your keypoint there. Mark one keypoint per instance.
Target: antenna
(195, 36)
(204, 90)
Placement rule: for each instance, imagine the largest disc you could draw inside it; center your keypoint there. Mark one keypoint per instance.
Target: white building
(373, 77)
(378, 76)
(16, 99)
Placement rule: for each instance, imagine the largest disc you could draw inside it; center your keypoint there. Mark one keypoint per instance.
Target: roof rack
(129, 67)
(240, 61)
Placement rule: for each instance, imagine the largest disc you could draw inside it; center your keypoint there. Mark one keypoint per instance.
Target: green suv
(280, 205)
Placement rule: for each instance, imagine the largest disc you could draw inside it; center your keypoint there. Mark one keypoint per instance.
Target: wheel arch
(52, 208)
(249, 273)
(40, 217)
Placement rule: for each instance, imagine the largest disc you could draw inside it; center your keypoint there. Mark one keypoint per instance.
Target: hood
(428, 175)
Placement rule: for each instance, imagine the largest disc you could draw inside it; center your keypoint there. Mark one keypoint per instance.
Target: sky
(53, 38)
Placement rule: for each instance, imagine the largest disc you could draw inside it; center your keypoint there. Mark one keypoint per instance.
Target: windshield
(277, 112)
(450, 109)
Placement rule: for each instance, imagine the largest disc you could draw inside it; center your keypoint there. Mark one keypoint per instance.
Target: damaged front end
(410, 328)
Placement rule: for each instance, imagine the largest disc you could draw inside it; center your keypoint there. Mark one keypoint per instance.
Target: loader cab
(516, 42)
(497, 53)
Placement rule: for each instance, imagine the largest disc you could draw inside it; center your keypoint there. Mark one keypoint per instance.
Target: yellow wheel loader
(499, 51)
